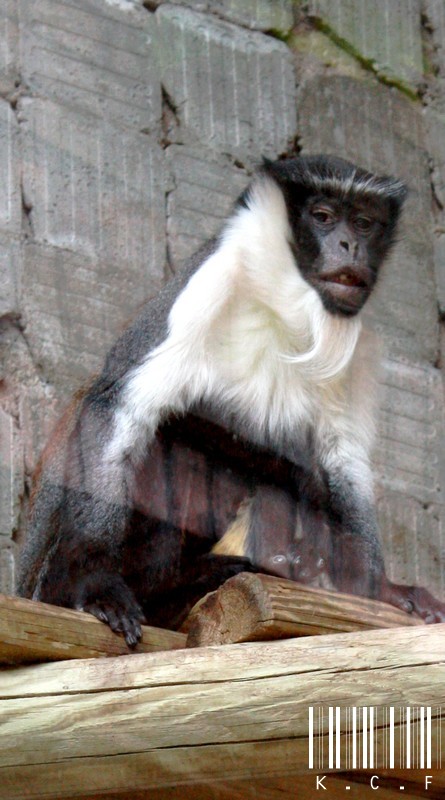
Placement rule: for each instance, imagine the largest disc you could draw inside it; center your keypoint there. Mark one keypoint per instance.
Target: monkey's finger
(131, 630)
(138, 613)
(415, 599)
(120, 621)
(97, 611)
(427, 606)
(113, 618)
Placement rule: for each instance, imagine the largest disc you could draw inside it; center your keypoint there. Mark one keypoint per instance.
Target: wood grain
(32, 631)
(195, 717)
(251, 607)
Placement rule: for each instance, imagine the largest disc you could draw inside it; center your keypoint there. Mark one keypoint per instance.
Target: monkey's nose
(345, 245)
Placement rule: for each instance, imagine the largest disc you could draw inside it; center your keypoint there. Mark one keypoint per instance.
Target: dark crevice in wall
(282, 36)
(13, 96)
(293, 150)
(150, 5)
(274, 33)
(27, 224)
(170, 120)
(170, 266)
(431, 62)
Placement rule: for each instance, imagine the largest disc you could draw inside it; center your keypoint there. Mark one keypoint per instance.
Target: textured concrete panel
(233, 89)
(435, 127)
(40, 408)
(413, 539)
(7, 571)
(9, 46)
(434, 12)
(384, 134)
(386, 33)
(10, 276)
(410, 471)
(204, 188)
(74, 309)
(95, 189)
(95, 56)
(11, 473)
(10, 197)
(409, 455)
(439, 262)
(263, 15)
(435, 124)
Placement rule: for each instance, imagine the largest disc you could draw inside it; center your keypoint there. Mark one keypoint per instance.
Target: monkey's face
(340, 246)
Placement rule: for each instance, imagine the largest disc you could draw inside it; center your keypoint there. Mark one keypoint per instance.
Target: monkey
(249, 368)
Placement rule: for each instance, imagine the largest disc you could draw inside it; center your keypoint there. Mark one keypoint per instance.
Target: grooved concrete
(9, 46)
(434, 11)
(11, 473)
(203, 190)
(412, 534)
(94, 56)
(10, 276)
(95, 189)
(436, 145)
(264, 15)
(410, 472)
(10, 167)
(75, 307)
(409, 455)
(7, 571)
(384, 32)
(234, 90)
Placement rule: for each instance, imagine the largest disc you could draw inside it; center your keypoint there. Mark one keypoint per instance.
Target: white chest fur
(247, 334)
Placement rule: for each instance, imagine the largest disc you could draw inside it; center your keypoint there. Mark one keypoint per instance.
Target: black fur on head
(348, 197)
(334, 175)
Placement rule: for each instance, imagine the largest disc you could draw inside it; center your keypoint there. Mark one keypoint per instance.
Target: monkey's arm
(357, 560)
(83, 503)
(78, 521)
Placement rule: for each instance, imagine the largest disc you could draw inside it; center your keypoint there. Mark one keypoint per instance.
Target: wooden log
(32, 631)
(299, 786)
(192, 717)
(252, 607)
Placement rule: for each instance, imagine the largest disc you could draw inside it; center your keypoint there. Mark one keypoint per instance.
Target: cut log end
(252, 607)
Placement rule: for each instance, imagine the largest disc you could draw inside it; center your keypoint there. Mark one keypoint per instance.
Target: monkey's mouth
(346, 289)
(346, 276)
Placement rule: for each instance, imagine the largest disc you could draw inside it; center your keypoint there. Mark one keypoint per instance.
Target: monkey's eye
(323, 216)
(363, 224)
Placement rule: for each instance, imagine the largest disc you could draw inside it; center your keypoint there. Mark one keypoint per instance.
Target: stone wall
(126, 131)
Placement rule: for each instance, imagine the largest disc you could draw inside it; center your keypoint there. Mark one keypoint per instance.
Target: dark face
(339, 246)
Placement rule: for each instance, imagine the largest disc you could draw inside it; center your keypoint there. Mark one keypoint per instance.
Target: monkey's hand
(413, 599)
(108, 598)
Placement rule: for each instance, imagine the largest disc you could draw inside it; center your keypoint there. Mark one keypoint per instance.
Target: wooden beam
(31, 631)
(186, 717)
(302, 786)
(251, 607)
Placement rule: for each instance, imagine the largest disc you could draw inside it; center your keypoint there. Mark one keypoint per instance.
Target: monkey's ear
(397, 196)
(276, 170)
(266, 162)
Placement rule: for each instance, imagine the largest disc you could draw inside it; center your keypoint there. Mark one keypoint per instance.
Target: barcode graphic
(370, 737)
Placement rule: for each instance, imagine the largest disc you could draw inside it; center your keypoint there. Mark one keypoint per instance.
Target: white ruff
(249, 334)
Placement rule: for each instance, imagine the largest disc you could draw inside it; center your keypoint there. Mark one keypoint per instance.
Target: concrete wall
(126, 131)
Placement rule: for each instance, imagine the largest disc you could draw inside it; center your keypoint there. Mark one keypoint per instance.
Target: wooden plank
(31, 631)
(187, 717)
(298, 786)
(251, 607)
